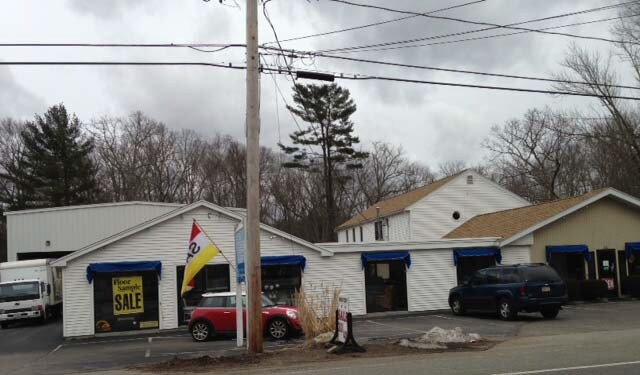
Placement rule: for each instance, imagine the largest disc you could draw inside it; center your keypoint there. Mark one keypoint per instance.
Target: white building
(54, 232)
(157, 249)
(429, 212)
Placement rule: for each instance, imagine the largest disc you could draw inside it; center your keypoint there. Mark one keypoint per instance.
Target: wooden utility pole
(252, 269)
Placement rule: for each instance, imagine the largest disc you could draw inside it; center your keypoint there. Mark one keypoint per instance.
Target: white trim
(62, 262)
(99, 205)
(337, 247)
(606, 193)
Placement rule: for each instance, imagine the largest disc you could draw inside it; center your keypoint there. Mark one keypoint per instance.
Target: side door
(473, 292)
(487, 294)
(218, 313)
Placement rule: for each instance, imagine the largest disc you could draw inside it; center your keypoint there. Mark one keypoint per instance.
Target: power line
(491, 26)
(125, 63)
(341, 76)
(484, 37)
(488, 87)
(196, 46)
(375, 23)
(455, 84)
(499, 75)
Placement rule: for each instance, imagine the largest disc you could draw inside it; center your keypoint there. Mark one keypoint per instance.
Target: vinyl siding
(431, 217)
(605, 224)
(72, 229)
(167, 242)
(516, 254)
(399, 228)
(429, 279)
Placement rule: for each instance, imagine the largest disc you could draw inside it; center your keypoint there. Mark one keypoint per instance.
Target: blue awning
(630, 248)
(477, 252)
(568, 249)
(386, 255)
(94, 268)
(285, 260)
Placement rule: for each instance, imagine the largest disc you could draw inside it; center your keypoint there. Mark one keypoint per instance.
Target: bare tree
(538, 157)
(451, 167)
(388, 172)
(12, 151)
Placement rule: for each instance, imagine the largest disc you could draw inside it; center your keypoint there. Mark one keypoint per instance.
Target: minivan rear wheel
(550, 312)
(506, 310)
(456, 306)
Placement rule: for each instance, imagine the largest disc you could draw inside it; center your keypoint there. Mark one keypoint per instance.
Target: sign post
(240, 262)
(343, 340)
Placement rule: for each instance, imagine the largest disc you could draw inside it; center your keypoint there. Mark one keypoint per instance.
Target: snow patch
(438, 338)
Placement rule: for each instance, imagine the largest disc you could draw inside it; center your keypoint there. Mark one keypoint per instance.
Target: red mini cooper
(216, 314)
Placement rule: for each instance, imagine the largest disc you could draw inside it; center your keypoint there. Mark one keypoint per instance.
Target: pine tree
(57, 169)
(327, 109)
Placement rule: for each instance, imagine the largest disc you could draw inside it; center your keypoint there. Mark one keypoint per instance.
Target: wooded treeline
(139, 158)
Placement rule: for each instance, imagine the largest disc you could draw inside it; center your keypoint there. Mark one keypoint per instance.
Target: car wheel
(4, 325)
(278, 329)
(456, 306)
(506, 310)
(201, 331)
(550, 312)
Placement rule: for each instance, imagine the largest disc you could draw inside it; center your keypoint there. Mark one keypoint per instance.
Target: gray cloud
(15, 100)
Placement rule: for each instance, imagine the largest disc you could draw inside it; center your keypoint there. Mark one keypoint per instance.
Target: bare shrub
(316, 309)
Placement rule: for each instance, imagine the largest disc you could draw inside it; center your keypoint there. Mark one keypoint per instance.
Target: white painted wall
(72, 228)
(431, 217)
(167, 242)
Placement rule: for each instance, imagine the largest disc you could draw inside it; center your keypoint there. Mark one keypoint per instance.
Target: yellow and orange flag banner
(201, 251)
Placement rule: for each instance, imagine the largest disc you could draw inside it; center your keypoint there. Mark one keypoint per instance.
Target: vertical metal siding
(73, 229)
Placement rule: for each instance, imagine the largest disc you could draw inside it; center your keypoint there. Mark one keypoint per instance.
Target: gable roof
(396, 204)
(61, 262)
(513, 224)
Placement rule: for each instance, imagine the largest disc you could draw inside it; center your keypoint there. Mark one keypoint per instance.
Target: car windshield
(266, 302)
(543, 273)
(19, 291)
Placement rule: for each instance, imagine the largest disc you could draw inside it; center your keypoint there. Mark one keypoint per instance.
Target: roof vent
(470, 179)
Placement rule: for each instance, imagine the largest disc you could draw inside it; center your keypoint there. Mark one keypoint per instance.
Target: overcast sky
(432, 123)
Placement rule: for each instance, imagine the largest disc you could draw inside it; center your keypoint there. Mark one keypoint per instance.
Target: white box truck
(29, 289)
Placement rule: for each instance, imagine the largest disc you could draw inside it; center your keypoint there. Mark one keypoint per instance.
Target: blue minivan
(508, 290)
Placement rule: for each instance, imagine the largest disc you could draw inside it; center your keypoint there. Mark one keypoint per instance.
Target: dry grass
(316, 309)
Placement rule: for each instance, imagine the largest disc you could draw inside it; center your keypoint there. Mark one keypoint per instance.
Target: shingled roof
(396, 204)
(504, 224)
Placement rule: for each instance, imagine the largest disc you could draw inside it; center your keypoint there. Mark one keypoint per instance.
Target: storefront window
(213, 278)
(125, 301)
(281, 282)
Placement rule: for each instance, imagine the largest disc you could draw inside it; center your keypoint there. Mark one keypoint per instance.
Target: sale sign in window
(128, 296)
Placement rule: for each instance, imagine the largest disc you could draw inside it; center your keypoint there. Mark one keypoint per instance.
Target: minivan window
(479, 278)
(542, 273)
(509, 275)
(492, 276)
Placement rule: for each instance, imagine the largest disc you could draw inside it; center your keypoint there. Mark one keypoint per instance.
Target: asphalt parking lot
(39, 349)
